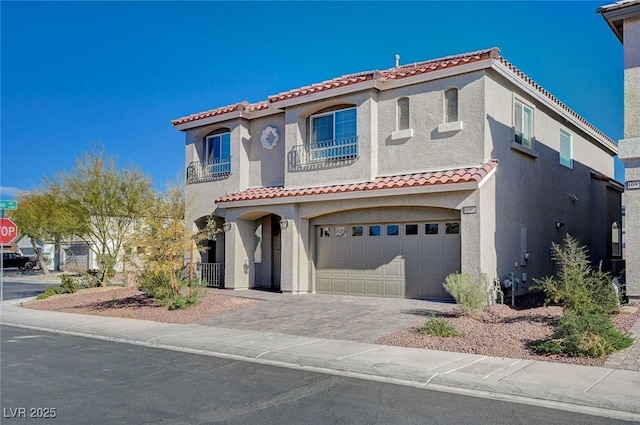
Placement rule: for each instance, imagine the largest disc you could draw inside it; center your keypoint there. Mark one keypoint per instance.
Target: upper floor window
(523, 124)
(403, 113)
(451, 105)
(334, 135)
(566, 149)
(217, 153)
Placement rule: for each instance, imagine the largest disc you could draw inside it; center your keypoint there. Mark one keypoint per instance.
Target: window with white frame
(566, 149)
(451, 105)
(217, 152)
(523, 124)
(403, 113)
(334, 134)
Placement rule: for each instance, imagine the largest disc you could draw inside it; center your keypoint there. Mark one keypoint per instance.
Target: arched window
(616, 246)
(403, 113)
(451, 105)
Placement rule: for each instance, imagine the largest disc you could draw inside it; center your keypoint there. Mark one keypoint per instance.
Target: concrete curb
(590, 390)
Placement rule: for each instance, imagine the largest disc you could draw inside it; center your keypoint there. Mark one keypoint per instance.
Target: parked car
(12, 259)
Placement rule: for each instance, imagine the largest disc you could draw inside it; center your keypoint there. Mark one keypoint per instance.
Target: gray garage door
(389, 259)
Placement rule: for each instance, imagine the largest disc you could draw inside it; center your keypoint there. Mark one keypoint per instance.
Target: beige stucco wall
(297, 133)
(630, 151)
(533, 190)
(428, 149)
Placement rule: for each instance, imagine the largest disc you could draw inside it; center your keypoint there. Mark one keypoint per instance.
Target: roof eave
(338, 196)
(532, 91)
(615, 14)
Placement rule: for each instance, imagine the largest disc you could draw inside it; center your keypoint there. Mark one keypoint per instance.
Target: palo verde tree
(41, 217)
(106, 202)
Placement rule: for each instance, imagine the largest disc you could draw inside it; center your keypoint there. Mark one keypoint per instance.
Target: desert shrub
(53, 290)
(68, 284)
(157, 284)
(579, 287)
(586, 335)
(469, 292)
(437, 326)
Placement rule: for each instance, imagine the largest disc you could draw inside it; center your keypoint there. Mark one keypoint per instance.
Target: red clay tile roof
(429, 178)
(554, 99)
(393, 74)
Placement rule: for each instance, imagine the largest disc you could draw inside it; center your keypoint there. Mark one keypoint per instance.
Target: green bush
(438, 327)
(586, 335)
(157, 285)
(68, 284)
(53, 290)
(468, 291)
(577, 286)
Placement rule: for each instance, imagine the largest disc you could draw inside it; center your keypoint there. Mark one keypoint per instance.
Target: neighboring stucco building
(382, 183)
(624, 19)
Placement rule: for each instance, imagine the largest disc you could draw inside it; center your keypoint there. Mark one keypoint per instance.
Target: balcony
(324, 154)
(214, 169)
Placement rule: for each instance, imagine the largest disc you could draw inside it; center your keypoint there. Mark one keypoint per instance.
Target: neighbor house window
(403, 113)
(217, 152)
(616, 246)
(523, 124)
(451, 105)
(333, 134)
(566, 149)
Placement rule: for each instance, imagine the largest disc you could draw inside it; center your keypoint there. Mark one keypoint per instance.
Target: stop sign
(8, 231)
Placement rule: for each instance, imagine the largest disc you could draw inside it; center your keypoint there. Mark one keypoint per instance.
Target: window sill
(524, 150)
(449, 127)
(402, 134)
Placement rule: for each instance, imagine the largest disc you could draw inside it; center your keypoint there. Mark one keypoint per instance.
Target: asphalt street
(82, 381)
(12, 290)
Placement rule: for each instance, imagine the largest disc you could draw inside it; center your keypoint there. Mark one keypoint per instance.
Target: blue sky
(116, 73)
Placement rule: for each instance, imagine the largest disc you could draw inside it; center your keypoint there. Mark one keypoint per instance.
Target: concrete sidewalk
(591, 390)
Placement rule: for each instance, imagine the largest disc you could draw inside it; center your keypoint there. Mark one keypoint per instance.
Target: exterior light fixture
(559, 224)
(226, 226)
(284, 223)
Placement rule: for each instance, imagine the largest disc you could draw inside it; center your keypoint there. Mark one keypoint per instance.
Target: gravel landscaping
(503, 331)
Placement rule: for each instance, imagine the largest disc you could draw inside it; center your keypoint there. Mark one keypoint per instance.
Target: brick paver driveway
(362, 319)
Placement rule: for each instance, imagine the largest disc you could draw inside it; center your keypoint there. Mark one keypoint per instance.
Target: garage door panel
(413, 265)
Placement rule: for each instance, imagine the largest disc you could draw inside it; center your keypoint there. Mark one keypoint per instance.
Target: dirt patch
(132, 304)
(502, 332)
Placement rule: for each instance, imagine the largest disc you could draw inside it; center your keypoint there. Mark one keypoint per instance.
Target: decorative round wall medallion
(269, 137)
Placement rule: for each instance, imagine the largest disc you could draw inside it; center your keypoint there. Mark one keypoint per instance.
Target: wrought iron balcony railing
(338, 150)
(208, 170)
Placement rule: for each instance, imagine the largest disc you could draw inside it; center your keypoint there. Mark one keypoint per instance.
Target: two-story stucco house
(382, 183)
(624, 19)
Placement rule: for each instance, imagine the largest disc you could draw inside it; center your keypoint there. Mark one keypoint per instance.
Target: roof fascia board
(617, 14)
(226, 117)
(452, 187)
(505, 72)
(487, 177)
(351, 88)
(436, 75)
(385, 85)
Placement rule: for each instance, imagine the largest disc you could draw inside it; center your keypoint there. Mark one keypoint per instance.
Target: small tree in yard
(40, 217)
(588, 297)
(468, 291)
(106, 202)
(163, 239)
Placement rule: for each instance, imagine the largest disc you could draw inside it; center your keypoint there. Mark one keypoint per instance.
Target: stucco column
(238, 263)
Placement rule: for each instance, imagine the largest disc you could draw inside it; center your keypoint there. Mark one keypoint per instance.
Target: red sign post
(8, 231)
